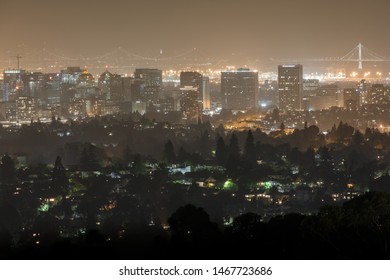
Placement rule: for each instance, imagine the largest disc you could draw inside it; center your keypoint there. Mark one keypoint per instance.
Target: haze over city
(238, 32)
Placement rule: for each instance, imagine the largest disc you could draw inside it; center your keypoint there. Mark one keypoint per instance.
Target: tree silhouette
(192, 224)
(220, 130)
(220, 151)
(249, 149)
(138, 166)
(325, 169)
(169, 153)
(372, 211)
(282, 126)
(6, 244)
(275, 115)
(248, 226)
(10, 219)
(357, 138)
(204, 148)
(90, 156)
(234, 149)
(8, 174)
(46, 229)
(183, 156)
(126, 156)
(59, 179)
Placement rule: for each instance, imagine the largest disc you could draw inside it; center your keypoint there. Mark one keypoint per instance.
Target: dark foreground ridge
(359, 229)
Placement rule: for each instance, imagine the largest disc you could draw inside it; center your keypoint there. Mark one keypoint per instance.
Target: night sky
(246, 28)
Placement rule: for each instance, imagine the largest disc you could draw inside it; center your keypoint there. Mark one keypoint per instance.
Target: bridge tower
(360, 66)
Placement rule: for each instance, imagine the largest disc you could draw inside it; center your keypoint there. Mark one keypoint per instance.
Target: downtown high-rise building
(351, 99)
(189, 105)
(149, 76)
(13, 84)
(240, 89)
(191, 79)
(206, 101)
(200, 83)
(147, 86)
(290, 81)
(111, 86)
(378, 94)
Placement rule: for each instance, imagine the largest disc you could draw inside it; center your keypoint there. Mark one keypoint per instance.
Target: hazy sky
(248, 28)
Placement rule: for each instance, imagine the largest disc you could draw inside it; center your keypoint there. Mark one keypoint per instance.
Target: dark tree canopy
(169, 152)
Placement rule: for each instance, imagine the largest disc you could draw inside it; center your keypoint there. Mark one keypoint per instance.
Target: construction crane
(18, 57)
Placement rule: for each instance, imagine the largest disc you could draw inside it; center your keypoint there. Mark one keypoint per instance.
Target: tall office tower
(70, 75)
(240, 89)
(25, 108)
(351, 99)
(268, 94)
(126, 87)
(53, 89)
(378, 94)
(206, 102)
(68, 84)
(193, 79)
(189, 105)
(34, 84)
(86, 86)
(328, 90)
(364, 94)
(13, 84)
(85, 79)
(147, 85)
(310, 87)
(111, 86)
(150, 77)
(290, 80)
(310, 91)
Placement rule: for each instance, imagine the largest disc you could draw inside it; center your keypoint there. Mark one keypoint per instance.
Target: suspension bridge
(117, 59)
(358, 54)
(123, 60)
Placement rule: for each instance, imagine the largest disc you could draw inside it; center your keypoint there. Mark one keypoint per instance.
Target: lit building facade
(195, 80)
(240, 89)
(191, 78)
(147, 86)
(13, 85)
(351, 99)
(310, 91)
(25, 108)
(111, 86)
(378, 94)
(189, 105)
(70, 75)
(290, 82)
(206, 101)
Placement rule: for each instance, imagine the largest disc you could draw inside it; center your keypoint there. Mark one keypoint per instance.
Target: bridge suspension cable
(358, 54)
